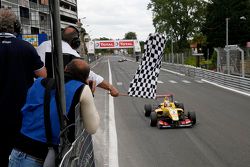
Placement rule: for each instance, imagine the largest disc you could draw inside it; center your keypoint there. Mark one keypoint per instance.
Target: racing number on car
(173, 112)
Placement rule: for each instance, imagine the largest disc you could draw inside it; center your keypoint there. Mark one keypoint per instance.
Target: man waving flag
(144, 83)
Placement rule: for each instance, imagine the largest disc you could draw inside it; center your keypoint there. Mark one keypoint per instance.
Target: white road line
(163, 69)
(160, 82)
(172, 81)
(95, 65)
(106, 132)
(185, 81)
(119, 83)
(113, 150)
(233, 90)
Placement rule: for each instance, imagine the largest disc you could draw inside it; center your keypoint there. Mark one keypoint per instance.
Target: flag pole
(57, 58)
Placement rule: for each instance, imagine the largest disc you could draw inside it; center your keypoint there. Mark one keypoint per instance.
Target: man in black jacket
(19, 64)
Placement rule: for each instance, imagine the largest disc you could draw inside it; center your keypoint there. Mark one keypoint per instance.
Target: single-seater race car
(122, 60)
(169, 114)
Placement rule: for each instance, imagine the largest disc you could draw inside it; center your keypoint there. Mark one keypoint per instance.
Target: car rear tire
(153, 119)
(147, 110)
(192, 117)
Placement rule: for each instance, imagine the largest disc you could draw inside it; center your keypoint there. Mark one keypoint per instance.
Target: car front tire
(192, 117)
(153, 119)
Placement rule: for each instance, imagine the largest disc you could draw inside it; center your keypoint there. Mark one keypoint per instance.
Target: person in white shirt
(70, 42)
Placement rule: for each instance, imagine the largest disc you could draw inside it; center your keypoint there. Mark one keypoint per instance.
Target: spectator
(70, 42)
(19, 63)
(31, 147)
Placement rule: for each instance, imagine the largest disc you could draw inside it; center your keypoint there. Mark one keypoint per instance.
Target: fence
(234, 65)
(235, 82)
(81, 152)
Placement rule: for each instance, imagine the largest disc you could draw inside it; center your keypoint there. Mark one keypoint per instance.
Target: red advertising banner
(126, 43)
(115, 44)
(107, 44)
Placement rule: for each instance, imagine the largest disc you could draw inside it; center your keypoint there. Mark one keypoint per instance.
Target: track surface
(221, 137)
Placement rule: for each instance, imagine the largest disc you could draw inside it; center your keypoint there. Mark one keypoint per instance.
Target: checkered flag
(144, 83)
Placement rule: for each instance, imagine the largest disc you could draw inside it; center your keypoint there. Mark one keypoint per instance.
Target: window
(35, 1)
(24, 12)
(42, 18)
(44, 2)
(34, 30)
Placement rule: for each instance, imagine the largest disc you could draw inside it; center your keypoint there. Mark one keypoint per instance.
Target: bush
(191, 60)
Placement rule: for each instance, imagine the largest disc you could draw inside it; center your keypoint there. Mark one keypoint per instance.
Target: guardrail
(235, 82)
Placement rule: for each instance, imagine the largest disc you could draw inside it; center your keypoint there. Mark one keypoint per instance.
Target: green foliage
(191, 60)
(82, 33)
(214, 60)
(215, 25)
(179, 20)
(199, 38)
(142, 46)
(104, 38)
(130, 35)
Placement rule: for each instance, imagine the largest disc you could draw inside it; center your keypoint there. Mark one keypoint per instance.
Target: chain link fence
(235, 61)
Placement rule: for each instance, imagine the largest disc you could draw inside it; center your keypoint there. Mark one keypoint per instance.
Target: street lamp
(79, 23)
(227, 31)
(227, 19)
(243, 18)
(227, 50)
(82, 18)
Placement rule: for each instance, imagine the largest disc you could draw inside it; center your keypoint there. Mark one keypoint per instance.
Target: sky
(113, 18)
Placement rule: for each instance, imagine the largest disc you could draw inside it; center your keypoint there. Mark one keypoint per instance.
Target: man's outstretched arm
(98, 81)
(107, 86)
(89, 113)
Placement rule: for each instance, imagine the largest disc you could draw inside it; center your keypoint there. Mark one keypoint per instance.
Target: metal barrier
(81, 152)
(231, 81)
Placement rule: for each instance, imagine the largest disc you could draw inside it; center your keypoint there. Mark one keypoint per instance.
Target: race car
(169, 114)
(122, 60)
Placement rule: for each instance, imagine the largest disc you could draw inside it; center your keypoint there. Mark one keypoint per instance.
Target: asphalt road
(221, 137)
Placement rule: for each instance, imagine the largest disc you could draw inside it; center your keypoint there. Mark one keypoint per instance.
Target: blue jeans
(21, 159)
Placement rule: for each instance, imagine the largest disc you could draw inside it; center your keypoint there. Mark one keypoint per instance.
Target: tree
(238, 12)
(142, 43)
(130, 35)
(178, 19)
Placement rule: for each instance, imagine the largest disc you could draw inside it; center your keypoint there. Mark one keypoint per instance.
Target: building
(35, 16)
(68, 12)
